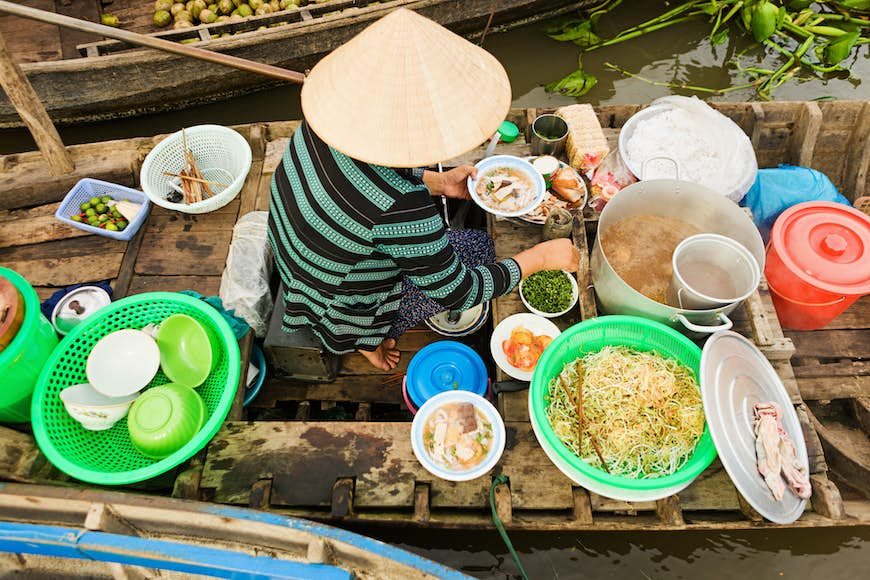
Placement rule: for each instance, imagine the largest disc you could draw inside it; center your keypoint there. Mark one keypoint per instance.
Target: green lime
(101, 208)
(106, 198)
(111, 227)
(104, 217)
(94, 200)
(121, 224)
(76, 218)
(90, 211)
(84, 206)
(116, 214)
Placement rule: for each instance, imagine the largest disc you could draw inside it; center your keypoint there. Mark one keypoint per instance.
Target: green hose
(500, 526)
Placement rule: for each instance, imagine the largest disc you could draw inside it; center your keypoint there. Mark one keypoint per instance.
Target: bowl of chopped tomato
(519, 341)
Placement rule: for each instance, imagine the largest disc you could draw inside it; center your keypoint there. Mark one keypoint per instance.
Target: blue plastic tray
(87, 188)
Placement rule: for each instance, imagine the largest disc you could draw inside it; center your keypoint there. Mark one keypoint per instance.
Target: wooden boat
(74, 533)
(82, 78)
(270, 454)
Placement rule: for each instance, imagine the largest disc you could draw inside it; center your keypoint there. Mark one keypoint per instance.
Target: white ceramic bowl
(123, 362)
(95, 411)
(575, 295)
(488, 164)
(485, 407)
(536, 324)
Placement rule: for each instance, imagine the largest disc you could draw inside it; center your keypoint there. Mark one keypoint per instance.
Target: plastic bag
(610, 177)
(777, 189)
(245, 280)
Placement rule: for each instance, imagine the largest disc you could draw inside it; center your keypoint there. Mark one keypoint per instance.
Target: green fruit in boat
(223, 18)
(245, 11)
(197, 8)
(182, 24)
(263, 10)
(94, 200)
(106, 198)
(110, 20)
(254, 4)
(212, 7)
(176, 8)
(121, 224)
(76, 217)
(84, 206)
(101, 208)
(90, 211)
(165, 5)
(763, 21)
(276, 6)
(184, 15)
(111, 227)
(237, 3)
(103, 217)
(207, 16)
(162, 18)
(226, 7)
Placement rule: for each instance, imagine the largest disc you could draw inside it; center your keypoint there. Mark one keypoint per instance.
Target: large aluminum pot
(695, 204)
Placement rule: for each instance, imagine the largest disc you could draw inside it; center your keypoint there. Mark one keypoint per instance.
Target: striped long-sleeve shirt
(344, 231)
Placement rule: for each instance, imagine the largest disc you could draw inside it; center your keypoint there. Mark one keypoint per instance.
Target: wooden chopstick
(581, 419)
(170, 174)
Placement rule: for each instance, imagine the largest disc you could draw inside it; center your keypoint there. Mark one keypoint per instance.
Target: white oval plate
(536, 324)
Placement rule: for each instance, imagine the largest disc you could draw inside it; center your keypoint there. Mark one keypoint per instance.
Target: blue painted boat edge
(60, 542)
(376, 547)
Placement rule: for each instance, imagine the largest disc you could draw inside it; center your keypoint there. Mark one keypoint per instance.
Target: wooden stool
(297, 355)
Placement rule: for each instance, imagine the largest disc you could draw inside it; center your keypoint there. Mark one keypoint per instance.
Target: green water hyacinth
(810, 37)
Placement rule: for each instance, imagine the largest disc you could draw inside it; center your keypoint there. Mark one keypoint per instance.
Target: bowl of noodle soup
(507, 186)
(457, 435)
(641, 405)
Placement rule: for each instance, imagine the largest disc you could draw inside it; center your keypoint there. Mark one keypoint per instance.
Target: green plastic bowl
(185, 350)
(164, 418)
(593, 335)
(108, 457)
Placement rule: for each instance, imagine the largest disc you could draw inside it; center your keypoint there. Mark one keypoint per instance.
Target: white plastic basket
(215, 148)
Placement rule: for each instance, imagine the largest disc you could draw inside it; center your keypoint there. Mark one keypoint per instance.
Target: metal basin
(695, 204)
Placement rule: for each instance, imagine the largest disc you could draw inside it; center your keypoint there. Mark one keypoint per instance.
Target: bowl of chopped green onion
(549, 293)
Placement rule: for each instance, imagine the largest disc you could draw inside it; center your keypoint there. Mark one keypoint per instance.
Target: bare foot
(385, 357)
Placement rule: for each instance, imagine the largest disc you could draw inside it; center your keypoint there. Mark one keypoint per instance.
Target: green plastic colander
(593, 335)
(108, 457)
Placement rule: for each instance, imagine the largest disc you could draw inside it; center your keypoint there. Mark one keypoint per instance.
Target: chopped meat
(465, 416)
(776, 454)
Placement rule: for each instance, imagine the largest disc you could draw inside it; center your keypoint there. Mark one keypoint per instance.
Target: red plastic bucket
(818, 263)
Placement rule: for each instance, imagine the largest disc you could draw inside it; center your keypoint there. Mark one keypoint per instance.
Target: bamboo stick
(29, 107)
(170, 174)
(152, 42)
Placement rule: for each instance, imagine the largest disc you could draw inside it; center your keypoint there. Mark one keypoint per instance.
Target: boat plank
(837, 387)
(31, 41)
(843, 343)
(184, 253)
(33, 226)
(205, 285)
(856, 316)
(83, 10)
(65, 262)
(367, 389)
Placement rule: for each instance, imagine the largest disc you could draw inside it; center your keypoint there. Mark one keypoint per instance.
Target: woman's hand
(558, 254)
(450, 183)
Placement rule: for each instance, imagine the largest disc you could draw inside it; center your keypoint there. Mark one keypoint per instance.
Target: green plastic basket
(593, 335)
(108, 457)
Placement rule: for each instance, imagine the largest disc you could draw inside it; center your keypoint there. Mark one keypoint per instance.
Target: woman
(345, 226)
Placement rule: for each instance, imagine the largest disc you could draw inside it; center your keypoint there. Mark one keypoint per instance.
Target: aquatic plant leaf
(720, 37)
(576, 84)
(558, 25)
(763, 21)
(580, 34)
(859, 5)
(710, 8)
(799, 4)
(838, 49)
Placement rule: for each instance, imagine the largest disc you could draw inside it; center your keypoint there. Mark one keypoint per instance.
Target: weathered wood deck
(341, 451)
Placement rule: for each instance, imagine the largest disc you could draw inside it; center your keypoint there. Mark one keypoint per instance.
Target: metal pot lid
(735, 376)
(825, 244)
(445, 366)
(468, 321)
(81, 302)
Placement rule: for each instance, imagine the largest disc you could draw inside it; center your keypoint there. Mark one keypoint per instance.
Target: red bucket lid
(825, 244)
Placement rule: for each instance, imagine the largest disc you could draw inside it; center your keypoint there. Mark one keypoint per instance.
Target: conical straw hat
(406, 92)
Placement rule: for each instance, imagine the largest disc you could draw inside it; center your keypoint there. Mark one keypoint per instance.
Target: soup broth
(640, 248)
(505, 189)
(457, 436)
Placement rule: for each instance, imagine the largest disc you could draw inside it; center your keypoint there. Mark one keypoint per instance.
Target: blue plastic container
(87, 188)
(443, 366)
